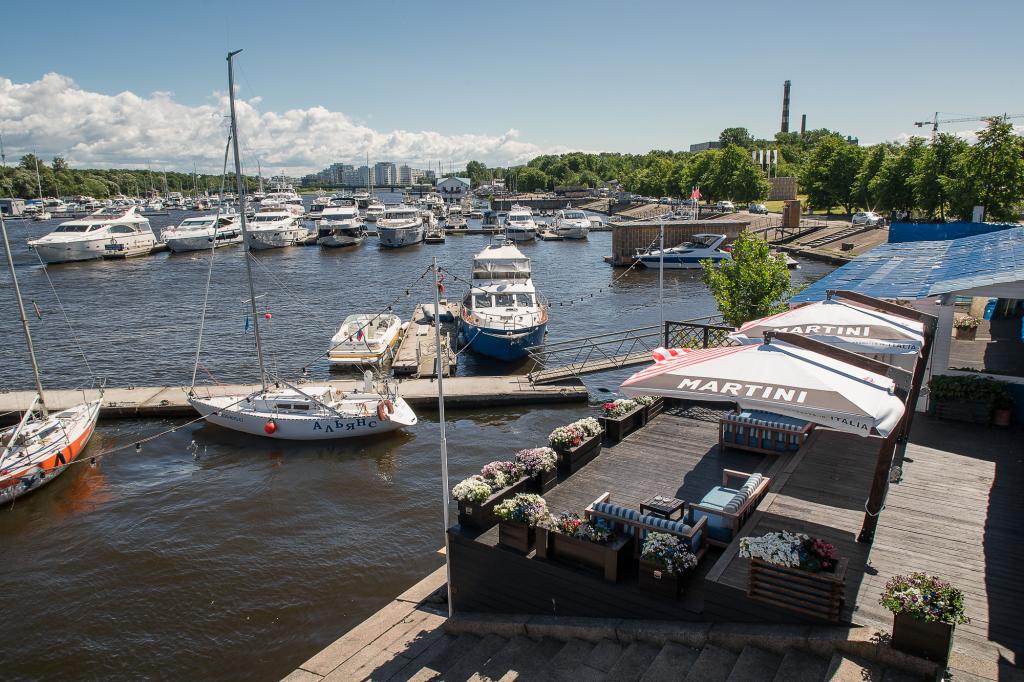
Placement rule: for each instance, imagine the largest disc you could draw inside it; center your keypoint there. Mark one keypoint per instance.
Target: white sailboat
(287, 411)
(43, 444)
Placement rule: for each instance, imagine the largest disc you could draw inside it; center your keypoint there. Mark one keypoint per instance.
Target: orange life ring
(382, 411)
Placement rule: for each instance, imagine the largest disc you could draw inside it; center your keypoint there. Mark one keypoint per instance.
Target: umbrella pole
(896, 443)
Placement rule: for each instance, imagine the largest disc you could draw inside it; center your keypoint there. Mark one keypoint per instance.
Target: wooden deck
(417, 352)
(956, 513)
(998, 348)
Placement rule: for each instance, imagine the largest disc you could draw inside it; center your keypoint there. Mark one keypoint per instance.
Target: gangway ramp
(575, 357)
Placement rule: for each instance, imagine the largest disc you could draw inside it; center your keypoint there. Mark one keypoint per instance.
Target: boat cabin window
(518, 217)
(574, 215)
(75, 228)
(121, 229)
(482, 301)
(505, 300)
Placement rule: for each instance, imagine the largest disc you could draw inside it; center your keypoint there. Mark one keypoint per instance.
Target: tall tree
(990, 174)
(873, 160)
(933, 174)
(753, 284)
(893, 185)
(740, 137)
(738, 177)
(830, 172)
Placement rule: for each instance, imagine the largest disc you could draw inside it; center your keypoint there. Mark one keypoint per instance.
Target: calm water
(208, 555)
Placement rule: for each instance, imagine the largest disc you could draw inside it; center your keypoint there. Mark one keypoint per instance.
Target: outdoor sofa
(725, 509)
(631, 522)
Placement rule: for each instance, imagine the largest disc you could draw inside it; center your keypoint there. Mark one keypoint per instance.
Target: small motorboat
(364, 339)
(688, 255)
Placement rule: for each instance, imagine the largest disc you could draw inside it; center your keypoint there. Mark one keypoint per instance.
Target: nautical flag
(359, 334)
(695, 194)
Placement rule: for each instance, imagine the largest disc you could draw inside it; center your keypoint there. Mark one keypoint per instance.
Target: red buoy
(267, 316)
(270, 427)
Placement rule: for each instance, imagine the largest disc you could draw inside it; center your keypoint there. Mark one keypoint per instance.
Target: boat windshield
(400, 215)
(513, 300)
(268, 218)
(574, 215)
(700, 242)
(77, 228)
(192, 223)
(518, 217)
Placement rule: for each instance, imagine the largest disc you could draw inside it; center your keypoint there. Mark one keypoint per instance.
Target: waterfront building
(385, 173)
(453, 189)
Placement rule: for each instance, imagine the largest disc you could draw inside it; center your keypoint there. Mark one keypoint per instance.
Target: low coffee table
(664, 507)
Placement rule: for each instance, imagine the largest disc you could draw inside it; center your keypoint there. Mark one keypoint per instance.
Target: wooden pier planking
(417, 352)
(172, 401)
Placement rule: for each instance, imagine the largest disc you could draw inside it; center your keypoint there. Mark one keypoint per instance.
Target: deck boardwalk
(417, 353)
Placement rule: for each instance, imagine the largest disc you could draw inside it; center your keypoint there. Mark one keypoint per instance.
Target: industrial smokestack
(803, 123)
(785, 107)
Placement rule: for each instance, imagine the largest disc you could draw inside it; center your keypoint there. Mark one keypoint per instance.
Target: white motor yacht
(275, 228)
(374, 210)
(203, 232)
(340, 225)
(688, 255)
(364, 340)
(400, 226)
(519, 224)
(456, 219)
(109, 232)
(572, 223)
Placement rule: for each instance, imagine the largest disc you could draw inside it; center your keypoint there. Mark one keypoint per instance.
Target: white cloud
(53, 115)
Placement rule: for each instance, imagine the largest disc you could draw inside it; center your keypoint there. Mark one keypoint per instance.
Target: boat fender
(382, 410)
(390, 406)
(270, 427)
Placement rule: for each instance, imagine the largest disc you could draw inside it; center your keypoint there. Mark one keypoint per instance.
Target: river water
(209, 555)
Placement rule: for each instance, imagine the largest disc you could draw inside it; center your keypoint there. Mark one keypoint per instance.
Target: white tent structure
(779, 378)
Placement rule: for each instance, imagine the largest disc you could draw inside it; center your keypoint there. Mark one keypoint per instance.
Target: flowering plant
(523, 508)
(966, 322)
(668, 553)
(566, 437)
(926, 598)
(501, 474)
(574, 525)
(590, 426)
(619, 408)
(793, 550)
(645, 400)
(472, 489)
(536, 460)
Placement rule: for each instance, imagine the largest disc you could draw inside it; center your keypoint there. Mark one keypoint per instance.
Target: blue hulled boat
(502, 313)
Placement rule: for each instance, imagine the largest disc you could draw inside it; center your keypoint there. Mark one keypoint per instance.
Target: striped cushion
(745, 491)
(768, 420)
(679, 528)
(619, 512)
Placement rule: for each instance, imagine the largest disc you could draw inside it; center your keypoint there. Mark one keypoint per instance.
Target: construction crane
(967, 119)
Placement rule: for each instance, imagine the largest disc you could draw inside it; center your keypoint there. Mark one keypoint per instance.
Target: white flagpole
(661, 274)
(441, 423)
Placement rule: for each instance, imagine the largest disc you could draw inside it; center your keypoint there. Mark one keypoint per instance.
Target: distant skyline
(128, 84)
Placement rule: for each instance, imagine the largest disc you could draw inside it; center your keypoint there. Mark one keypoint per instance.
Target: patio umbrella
(843, 325)
(776, 377)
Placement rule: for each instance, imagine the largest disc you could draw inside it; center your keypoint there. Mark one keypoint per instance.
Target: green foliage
(933, 174)
(950, 388)
(829, 174)
(863, 190)
(990, 174)
(740, 137)
(750, 286)
(893, 186)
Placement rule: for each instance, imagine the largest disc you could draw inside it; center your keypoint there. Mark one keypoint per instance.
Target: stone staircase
(481, 657)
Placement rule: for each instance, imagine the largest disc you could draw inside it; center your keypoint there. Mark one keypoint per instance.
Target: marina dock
(417, 352)
(172, 401)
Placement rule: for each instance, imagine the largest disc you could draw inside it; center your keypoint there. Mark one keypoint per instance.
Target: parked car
(869, 218)
(725, 207)
(758, 208)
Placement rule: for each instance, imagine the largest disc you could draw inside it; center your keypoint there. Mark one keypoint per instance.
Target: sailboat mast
(259, 170)
(39, 180)
(24, 319)
(241, 214)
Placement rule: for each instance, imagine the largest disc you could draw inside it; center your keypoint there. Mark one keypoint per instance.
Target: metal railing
(701, 332)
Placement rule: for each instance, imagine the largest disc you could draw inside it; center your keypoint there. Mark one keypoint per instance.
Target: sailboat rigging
(286, 411)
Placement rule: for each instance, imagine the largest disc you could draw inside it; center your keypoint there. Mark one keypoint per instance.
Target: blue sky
(595, 75)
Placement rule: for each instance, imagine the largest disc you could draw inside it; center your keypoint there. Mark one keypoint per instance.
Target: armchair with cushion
(725, 509)
(631, 522)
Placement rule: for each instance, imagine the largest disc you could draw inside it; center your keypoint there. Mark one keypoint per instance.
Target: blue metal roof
(921, 269)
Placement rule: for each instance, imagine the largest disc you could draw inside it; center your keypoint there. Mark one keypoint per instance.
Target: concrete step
(671, 663)
(605, 655)
(848, 668)
(713, 665)
(754, 665)
(534, 662)
(570, 663)
(431, 663)
(473, 660)
(798, 666)
(507, 662)
(635, 660)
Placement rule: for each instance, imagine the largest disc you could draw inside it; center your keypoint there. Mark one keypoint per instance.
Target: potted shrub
(517, 521)
(926, 611)
(540, 465)
(664, 563)
(653, 405)
(973, 399)
(784, 565)
(582, 542)
(576, 444)
(501, 480)
(621, 417)
(966, 327)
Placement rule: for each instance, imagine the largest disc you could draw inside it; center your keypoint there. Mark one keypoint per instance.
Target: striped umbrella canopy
(776, 377)
(843, 325)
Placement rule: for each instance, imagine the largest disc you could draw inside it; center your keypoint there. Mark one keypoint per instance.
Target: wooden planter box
(544, 481)
(617, 429)
(653, 410)
(481, 515)
(654, 579)
(918, 638)
(570, 461)
(816, 595)
(609, 559)
(971, 411)
(516, 536)
(963, 334)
